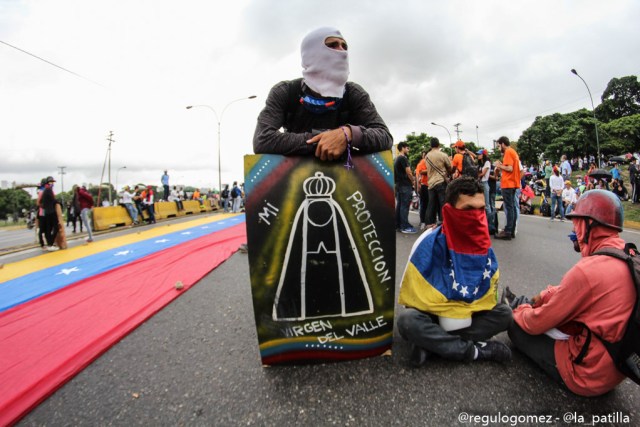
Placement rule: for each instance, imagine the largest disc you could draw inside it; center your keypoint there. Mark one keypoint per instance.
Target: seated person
(618, 188)
(450, 285)
(597, 294)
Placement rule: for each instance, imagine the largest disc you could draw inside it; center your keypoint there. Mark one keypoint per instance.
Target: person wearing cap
(456, 162)
(127, 202)
(509, 182)
(148, 202)
(322, 113)
(484, 170)
(438, 172)
(569, 197)
(595, 297)
(49, 218)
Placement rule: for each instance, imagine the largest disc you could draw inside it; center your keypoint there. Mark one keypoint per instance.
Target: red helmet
(602, 206)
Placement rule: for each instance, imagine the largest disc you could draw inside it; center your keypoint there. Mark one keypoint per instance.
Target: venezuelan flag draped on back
(452, 269)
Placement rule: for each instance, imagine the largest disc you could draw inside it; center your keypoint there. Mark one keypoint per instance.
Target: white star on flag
(455, 285)
(186, 233)
(67, 271)
(122, 253)
(452, 274)
(476, 291)
(464, 291)
(161, 241)
(486, 274)
(489, 261)
(205, 227)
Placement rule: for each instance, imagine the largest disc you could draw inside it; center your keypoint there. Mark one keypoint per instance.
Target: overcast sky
(491, 64)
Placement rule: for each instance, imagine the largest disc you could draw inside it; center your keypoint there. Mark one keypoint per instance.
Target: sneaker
(561, 219)
(89, 240)
(52, 248)
(423, 226)
(418, 356)
(409, 230)
(552, 218)
(243, 248)
(493, 350)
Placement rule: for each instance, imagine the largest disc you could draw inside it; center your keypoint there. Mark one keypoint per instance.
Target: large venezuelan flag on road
(60, 311)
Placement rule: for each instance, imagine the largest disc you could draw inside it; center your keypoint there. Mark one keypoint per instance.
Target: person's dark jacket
(369, 132)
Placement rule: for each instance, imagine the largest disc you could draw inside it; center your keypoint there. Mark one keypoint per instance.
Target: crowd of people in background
(518, 185)
(139, 202)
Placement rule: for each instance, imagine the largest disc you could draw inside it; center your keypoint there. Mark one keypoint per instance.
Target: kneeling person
(450, 285)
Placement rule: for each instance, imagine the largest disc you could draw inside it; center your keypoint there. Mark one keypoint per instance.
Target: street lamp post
(117, 172)
(219, 121)
(593, 109)
(450, 141)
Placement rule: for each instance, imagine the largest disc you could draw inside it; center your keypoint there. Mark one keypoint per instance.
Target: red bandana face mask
(466, 230)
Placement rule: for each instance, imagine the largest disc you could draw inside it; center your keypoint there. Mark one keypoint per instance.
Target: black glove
(512, 300)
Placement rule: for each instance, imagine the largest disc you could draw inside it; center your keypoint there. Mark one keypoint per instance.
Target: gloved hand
(512, 300)
(519, 301)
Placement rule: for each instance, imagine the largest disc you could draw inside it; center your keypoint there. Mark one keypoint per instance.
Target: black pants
(539, 348)
(424, 203)
(50, 228)
(423, 330)
(436, 202)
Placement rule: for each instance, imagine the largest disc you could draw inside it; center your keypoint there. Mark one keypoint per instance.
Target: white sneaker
(423, 226)
(52, 248)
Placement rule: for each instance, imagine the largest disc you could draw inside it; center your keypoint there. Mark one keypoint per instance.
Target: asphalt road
(197, 363)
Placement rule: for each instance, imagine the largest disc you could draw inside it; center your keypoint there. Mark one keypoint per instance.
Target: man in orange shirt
(509, 183)
(456, 163)
(422, 184)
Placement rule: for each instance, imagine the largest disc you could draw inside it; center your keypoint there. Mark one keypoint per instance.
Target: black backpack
(626, 352)
(469, 167)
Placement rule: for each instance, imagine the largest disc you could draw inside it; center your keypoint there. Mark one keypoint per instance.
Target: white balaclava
(325, 70)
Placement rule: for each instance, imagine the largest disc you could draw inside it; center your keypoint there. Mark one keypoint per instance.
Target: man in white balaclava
(322, 113)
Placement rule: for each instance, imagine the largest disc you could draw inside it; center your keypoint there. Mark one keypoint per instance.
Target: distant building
(4, 185)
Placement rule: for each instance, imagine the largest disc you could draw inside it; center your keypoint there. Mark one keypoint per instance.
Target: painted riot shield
(322, 256)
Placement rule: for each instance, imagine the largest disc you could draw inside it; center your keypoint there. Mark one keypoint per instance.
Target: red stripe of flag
(46, 341)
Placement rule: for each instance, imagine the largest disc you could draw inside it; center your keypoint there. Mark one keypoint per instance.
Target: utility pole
(458, 131)
(62, 174)
(110, 139)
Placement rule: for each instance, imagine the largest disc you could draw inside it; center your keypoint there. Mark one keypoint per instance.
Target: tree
(620, 99)
(13, 201)
(417, 144)
(623, 134)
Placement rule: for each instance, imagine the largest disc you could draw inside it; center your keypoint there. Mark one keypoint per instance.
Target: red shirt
(598, 292)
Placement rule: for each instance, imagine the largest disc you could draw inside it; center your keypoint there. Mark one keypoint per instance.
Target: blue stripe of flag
(22, 289)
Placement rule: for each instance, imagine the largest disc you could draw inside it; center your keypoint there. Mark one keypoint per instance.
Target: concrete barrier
(165, 210)
(191, 207)
(110, 216)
